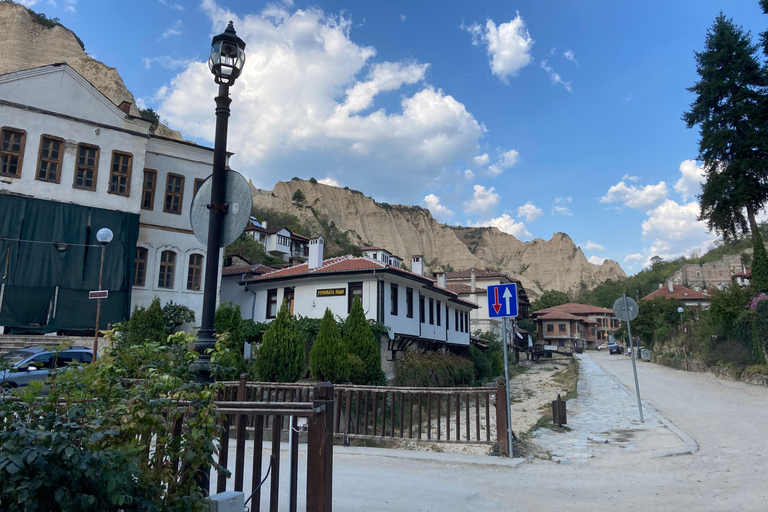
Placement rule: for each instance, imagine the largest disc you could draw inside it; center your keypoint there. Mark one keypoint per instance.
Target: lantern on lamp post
(104, 236)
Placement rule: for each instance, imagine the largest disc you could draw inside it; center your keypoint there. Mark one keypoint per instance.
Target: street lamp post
(226, 64)
(682, 334)
(104, 236)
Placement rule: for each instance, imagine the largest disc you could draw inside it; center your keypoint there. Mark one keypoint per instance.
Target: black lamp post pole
(205, 337)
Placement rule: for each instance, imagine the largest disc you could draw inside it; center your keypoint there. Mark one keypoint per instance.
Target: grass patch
(568, 377)
(760, 369)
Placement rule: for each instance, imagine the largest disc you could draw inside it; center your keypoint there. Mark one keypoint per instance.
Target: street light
(685, 355)
(226, 63)
(104, 236)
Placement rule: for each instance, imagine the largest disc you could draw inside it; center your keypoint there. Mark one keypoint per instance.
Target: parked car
(613, 348)
(602, 347)
(25, 365)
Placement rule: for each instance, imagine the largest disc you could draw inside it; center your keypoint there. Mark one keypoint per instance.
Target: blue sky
(533, 116)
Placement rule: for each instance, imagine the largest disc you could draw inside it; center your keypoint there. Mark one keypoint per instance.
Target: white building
(68, 151)
(383, 255)
(279, 242)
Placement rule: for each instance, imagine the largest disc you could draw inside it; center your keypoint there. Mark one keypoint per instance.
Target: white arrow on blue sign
(502, 300)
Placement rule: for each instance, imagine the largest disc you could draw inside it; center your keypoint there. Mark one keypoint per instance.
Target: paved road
(728, 421)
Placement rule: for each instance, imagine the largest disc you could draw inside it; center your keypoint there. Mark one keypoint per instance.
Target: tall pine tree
(730, 112)
(360, 341)
(328, 359)
(281, 354)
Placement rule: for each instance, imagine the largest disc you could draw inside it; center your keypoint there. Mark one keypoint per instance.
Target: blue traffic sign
(502, 300)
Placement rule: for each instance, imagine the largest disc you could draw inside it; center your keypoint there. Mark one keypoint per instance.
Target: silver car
(22, 366)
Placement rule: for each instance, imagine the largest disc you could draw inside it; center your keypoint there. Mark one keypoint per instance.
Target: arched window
(167, 268)
(140, 268)
(195, 272)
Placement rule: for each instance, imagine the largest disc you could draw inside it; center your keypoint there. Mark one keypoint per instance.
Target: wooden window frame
(466, 322)
(198, 183)
(394, 296)
(195, 271)
(167, 194)
(458, 324)
(136, 262)
(113, 174)
(172, 272)
(151, 191)
(289, 296)
(19, 155)
(95, 168)
(58, 161)
(431, 311)
(550, 328)
(422, 312)
(438, 311)
(409, 303)
(447, 318)
(271, 303)
(561, 328)
(357, 285)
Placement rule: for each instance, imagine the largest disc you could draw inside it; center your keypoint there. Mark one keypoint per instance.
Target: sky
(536, 117)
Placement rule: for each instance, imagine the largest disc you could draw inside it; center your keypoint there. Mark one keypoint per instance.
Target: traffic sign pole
(506, 378)
(634, 367)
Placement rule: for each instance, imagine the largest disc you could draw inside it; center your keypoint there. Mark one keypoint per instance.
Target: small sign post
(625, 308)
(98, 294)
(502, 303)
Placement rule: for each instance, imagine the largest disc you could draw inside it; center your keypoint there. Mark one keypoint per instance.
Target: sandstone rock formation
(28, 44)
(555, 264)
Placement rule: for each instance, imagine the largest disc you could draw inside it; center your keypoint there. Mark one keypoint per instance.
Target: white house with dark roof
(280, 242)
(383, 255)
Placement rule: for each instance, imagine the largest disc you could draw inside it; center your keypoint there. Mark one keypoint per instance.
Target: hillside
(556, 263)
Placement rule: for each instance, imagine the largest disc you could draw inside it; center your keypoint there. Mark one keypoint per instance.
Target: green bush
(483, 363)
(360, 341)
(434, 370)
(729, 352)
(760, 332)
(253, 331)
(144, 326)
(176, 315)
(228, 319)
(227, 361)
(328, 358)
(281, 353)
(358, 373)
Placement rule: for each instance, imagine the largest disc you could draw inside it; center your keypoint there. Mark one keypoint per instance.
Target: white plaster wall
(231, 291)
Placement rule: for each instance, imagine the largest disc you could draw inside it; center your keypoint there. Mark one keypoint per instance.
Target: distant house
(471, 285)
(237, 271)
(687, 296)
(562, 326)
(742, 278)
(279, 242)
(383, 255)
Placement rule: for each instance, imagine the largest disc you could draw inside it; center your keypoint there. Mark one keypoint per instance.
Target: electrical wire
(5, 239)
(269, 469)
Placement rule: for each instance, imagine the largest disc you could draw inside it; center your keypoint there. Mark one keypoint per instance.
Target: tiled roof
(247, 269)
(463, 289)
(574, 309)
(558, 315)
(678, 292)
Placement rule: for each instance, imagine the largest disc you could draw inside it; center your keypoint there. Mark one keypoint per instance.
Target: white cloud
(27, 3)
(174, 30)
(482, 200)
(558, 206)
(508, 45)
(568, 54)
(506, 224)
(70, 6)
(592, 246)
(166, 62)
(307, 100)
(633, 257)
(481, 160)
(596, 260)
(555, 77)
(689, 185)
(673, 230)
(507, 160)
(627, 177)
(468, 175)
(329, 181)
(52, 3)
(643, 198)
(529, 212)
(402, 18)
(439, 211)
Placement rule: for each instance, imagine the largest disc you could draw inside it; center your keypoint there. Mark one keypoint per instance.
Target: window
(561, 327)
(272, 303)
(466, 322)
(174, 193)
(283, 240)
(11, 152)
(409, 302)
(356, 290)
(148, 189)
(461, 321)
(447, 318)
(86, 167)
(120, 174)
(394, 297)
(140, 267)
(288, 295)
(550, 328)
(195, 272)
(431, 311)
(198, 183)
(456, 318)
(167, 268)
(561, 343)
(374, 256)
(49, 160)
(421, 308)
(438, 312)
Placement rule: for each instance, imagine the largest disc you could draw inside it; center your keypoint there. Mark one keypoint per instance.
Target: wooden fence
(435, 415)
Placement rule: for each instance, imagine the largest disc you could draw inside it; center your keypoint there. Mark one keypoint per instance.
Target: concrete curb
(691, 445)
(455, 458)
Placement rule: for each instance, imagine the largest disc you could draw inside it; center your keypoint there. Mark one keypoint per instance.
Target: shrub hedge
(434, 370)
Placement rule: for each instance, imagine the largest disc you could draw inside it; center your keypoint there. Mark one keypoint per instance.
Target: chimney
(473, 284)
(315, 253)
(125, 107)
(661, 285)
(671, 287)
(264, 224)
(417, 264)
(441, 282)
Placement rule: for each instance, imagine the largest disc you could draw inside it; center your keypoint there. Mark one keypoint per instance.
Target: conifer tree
(328, 359)
(281, 354)
(360, 341)
(730, 111)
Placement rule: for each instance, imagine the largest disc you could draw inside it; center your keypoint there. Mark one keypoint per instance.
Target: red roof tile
(558, 315)
(247, 269)
(463, 289)
(574, 309)
(678, 292)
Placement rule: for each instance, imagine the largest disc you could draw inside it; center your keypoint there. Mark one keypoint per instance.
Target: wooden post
(320, 450)
(501, 417)
(240, 446)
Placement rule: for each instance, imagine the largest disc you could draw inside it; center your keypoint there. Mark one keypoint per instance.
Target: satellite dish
(628, 312)
(237, 195)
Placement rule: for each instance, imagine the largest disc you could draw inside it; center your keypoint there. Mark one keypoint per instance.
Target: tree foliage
(299, 198)
(360, 341)
(328, 359)
(252, 251)
(549, 299)
(228, 319)
(146, 325)
(176, 315)
(281, 353)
